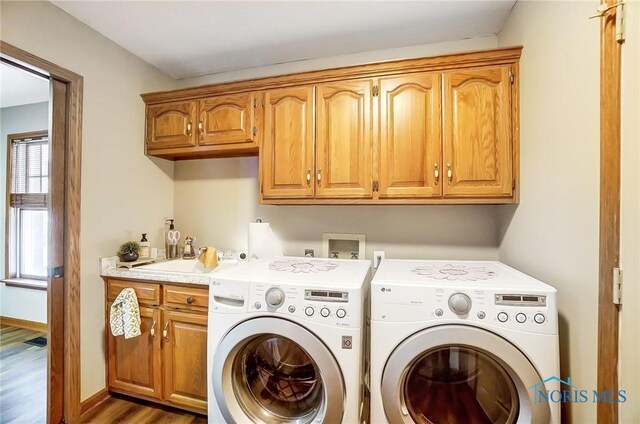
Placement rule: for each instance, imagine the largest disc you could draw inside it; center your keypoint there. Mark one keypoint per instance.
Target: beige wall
(216, 199)
(124, 193)
(553, 233)
(630, 218)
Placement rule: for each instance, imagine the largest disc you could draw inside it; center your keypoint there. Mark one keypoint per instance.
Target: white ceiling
(187, 38)
(19, 87)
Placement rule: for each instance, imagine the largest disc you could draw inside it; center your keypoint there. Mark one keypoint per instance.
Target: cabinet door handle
(165, 332)
(189, 128)
(189, 300)
(201, 128)
(449, 173)
(436, 172)
(319, 177)
(153, 330)
(309, 177)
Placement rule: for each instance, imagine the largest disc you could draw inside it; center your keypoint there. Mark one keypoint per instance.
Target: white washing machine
(286, 341)
(461, 342)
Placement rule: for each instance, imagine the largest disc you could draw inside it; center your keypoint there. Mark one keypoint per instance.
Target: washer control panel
(532, 312)
(340, 308)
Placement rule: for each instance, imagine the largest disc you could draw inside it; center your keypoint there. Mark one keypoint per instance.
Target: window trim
(11, 264)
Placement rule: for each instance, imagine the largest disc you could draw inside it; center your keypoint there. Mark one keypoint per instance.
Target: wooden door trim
(66, 378)
(608, 312)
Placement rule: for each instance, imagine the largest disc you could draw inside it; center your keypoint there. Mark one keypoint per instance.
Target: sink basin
(178, 266)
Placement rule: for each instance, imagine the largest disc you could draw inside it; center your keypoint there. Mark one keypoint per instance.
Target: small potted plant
(128, 251)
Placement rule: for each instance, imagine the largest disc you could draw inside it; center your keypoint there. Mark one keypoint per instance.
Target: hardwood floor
(23, 377)
(125, 410)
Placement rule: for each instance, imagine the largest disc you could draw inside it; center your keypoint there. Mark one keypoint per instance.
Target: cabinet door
(135, 364)
(477, 133)
(343, 140)
(287, 150)
(185, 359)
(410, 145)
(227, 120)
(171, 125)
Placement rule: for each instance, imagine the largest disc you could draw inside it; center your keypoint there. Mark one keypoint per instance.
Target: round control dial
(341, 313)
(460, 304)
(324, 312)
(309, 311)
(539, 318)
(521, 318)
(274, 297)
(503, 317)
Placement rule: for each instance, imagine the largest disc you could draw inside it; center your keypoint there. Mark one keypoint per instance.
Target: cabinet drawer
(147, 293)
(190, 298)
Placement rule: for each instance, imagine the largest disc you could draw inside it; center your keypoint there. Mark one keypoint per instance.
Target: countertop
(108, 268)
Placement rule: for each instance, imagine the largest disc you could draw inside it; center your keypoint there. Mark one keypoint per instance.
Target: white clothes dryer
(286, 341)
(461, 342)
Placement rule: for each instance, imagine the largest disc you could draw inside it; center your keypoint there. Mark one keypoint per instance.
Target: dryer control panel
(525, 311)
(340, 308)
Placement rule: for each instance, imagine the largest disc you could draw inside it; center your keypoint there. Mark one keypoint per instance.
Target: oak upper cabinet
(171, 125)
(409, 144)
(477, 136)
(344, 140)
(134, 364)
(287, 152)
(228, 120)
(185, 359)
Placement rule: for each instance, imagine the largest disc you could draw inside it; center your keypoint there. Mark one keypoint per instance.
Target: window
(28, 217)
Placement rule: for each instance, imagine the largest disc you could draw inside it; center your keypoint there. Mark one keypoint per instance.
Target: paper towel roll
(262, 242)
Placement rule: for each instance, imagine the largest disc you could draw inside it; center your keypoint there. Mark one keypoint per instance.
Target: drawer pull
(189, 300)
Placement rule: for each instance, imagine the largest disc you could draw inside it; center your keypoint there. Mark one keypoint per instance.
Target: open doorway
(40, 247)
(24, 225)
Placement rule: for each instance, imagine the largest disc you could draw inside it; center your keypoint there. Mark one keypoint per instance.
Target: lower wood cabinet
(167, 363)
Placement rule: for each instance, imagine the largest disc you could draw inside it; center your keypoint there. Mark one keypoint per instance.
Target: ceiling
(19, 87)
(189, 38)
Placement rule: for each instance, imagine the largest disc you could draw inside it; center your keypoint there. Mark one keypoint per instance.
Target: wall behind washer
(215, 199)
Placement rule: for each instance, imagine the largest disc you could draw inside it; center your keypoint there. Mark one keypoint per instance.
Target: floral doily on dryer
(458, 272)
(302, 266)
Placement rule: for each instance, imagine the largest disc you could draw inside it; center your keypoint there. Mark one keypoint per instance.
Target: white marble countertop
(108, 268)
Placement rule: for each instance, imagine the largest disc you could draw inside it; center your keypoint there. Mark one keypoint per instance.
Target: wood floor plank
(120, 409)
(23, 377)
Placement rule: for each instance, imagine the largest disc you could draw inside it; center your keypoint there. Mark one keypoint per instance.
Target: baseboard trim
(93, 401)
(23, 323)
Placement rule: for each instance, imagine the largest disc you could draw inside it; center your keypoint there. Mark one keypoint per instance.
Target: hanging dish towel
(125, 315)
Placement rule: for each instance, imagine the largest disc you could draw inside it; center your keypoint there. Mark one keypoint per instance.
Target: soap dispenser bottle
(171, 240)
(144, 246)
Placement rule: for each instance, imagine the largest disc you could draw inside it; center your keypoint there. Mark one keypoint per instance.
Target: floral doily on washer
(457, 272)
(305, 267)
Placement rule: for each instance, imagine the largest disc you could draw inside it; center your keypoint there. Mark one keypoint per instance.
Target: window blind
(29, 172)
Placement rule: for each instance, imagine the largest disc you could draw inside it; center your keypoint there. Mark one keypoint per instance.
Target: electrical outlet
(378, 256)
(309, 253)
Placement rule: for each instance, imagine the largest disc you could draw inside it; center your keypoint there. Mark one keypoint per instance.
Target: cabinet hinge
(255, 130)
(376, 91)
(255, 103)
(376, 186)
(511, 78)
(617, 286)
(513, 185)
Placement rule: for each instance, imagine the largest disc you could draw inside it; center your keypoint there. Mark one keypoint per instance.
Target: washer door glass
(459, 385)
(276, 380)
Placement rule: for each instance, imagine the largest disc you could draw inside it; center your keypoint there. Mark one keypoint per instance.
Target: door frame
(63, 400)
(609, 254)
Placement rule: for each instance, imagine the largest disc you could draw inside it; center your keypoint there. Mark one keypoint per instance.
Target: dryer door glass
(275, 380)
(455, 384)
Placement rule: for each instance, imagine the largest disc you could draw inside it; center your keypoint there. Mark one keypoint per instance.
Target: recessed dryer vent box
(343, 246)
